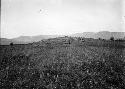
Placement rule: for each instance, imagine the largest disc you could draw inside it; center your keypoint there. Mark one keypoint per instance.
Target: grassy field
(63, 63)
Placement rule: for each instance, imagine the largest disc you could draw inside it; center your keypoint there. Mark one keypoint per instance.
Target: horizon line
(60, 34)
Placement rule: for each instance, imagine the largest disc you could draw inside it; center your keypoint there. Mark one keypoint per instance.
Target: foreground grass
(61, 67)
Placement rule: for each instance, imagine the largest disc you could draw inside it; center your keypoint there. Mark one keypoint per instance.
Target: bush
(112, 38)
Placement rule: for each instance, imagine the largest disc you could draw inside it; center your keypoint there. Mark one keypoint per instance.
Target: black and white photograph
(62, 44)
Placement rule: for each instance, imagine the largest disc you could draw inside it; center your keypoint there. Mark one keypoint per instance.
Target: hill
(5, 41)
(102, 34)
(26, 39)
(30, 39)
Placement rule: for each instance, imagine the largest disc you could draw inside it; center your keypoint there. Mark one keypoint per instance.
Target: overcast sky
(48, 17)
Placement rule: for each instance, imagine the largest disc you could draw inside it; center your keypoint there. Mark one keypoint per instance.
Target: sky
(60, 17)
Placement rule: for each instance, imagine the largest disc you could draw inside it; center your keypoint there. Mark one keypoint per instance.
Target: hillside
(102, 34)
(4, 41)
(63, 63)
(34, 38)
(25, 39)
(30, 39)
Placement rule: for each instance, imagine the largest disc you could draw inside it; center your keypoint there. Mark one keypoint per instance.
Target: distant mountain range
(102, 35)
(30, 39)
(26, 39)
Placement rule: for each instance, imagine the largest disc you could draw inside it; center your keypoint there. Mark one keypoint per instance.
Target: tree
(99, 38)
(11, 44)
(112, 38)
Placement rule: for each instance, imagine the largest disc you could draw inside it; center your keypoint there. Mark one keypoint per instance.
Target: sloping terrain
(30, 39)
(26, 39)
(63, 63)
(101, 34)
(4, 41)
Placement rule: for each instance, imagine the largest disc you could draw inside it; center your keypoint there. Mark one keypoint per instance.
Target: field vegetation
(63, 63)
